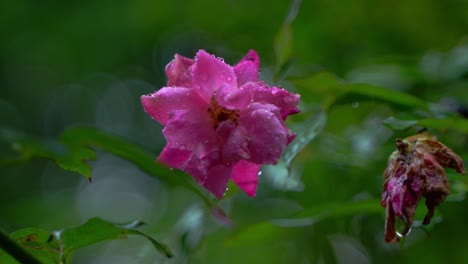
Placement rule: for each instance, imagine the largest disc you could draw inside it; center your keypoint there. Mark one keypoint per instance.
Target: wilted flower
(416, 169)
(220, 122)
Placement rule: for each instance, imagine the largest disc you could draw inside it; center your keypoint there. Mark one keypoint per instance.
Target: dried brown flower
(416, 169)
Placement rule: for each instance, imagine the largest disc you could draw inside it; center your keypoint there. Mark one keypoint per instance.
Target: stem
(16, 250)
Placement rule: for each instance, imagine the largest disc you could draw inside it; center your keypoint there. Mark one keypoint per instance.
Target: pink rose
(219, 121)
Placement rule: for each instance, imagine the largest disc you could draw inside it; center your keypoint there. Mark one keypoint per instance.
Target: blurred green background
(66, 63)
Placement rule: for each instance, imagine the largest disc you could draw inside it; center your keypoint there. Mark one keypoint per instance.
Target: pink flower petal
(284, 100)
(267, 133)
(236, 143)
(247, 69)
(245, 175)
(233, 97)
(162, 103)
(203, 157)
(205, 168)
(178, 73)
(217, 180)
(291, 137)
(210, 73)
(188, 128)
(397, 189)
(174, 157)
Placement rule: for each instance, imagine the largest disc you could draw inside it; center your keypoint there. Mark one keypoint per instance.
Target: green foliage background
(69, 63)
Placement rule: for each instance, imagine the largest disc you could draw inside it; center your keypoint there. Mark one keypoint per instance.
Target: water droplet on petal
(402, 227)
(355, 104)
(259, 173)
(229, 78)
(403, 234)
(183, 147)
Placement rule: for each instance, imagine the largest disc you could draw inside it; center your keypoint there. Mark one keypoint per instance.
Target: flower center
(219, 114)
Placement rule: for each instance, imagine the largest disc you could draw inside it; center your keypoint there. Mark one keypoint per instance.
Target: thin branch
(15, 250)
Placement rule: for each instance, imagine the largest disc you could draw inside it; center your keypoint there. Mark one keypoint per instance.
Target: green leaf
(58, 246)
(318, 83)
(283, 41)
(256, 234)
(397, 124)
(448, 123)
(318, 87)
(69, 157)
(283, 175)
(74, 148)
(366, 92)
(283, 48)
(265, 231)
(306, 131)
(75, 160)
(118, 146)
(97, 230)
(341, 209)
(37, 242)
(336, 92)
(92, 137)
